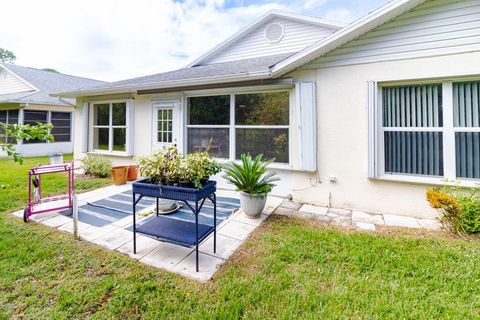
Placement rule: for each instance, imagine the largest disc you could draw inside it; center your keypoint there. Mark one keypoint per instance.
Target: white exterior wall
(342, 118)
(434, 28)
(11, 84)
(297, 36)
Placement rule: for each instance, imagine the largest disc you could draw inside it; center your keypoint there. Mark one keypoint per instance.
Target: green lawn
(289, 268)
(14, 182)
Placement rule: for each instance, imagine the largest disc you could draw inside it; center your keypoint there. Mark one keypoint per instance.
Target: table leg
(214, 223)
(157, 206)
(134, 226)
(196, 233)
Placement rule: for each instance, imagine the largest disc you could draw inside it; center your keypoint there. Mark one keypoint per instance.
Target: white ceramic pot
(252, 205)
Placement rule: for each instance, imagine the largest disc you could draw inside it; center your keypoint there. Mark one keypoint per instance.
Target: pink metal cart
(35, 189)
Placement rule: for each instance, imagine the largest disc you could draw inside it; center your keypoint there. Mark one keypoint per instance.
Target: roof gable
(373, 20)
(12, 83)
(297, 32)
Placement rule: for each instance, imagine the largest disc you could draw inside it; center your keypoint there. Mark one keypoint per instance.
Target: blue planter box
(148, 189)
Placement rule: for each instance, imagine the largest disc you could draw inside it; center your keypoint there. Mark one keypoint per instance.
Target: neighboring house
(25, 99)
(364, 117)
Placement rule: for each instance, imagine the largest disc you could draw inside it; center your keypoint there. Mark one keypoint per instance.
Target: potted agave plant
(251, 179)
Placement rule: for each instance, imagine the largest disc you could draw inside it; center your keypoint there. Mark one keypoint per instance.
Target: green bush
(97, 165)
(459, 208)
(470, 208)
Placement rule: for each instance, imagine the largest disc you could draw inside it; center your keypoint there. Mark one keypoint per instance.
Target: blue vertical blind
(466, 114)
(405, 110)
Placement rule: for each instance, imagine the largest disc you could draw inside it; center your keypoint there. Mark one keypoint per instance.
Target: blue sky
(118, 39)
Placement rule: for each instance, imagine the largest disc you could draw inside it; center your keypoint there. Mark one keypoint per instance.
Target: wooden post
(75, 217)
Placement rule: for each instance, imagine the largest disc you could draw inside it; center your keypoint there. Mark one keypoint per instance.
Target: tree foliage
(7, 56)
(17, 132)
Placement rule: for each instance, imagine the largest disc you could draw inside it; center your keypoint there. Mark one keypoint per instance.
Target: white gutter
(128, 88)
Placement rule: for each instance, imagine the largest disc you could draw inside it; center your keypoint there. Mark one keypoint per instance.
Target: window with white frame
(431, 130)
(229, 125)
(110, 127)
(7, 117)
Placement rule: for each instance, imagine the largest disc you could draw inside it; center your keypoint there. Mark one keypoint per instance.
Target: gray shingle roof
(231, 68)
(47, 83)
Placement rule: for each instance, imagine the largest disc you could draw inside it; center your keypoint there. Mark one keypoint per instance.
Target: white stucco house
(364, 116)
(25, 99)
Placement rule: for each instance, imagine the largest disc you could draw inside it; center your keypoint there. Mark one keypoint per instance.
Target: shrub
(97, 165)
(251, 175)
(459, 208)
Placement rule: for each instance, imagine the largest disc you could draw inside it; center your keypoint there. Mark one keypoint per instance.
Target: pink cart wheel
(26, 216)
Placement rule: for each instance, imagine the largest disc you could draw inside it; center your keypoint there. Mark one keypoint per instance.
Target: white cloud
(117, 39)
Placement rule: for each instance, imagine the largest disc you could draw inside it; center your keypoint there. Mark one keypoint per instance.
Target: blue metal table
(179, 232)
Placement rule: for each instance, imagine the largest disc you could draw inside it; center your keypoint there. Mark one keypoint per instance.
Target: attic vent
(274, 32)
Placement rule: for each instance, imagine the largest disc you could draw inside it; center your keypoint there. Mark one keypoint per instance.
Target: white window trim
(91, 126)
(232, 127)
(448, 130)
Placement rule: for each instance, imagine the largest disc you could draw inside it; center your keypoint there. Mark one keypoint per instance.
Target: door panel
(165, 126)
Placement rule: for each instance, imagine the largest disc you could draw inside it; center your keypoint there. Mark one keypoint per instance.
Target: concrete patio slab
(400, 221)
(314, 209)
(242, 217)
(364, 226)
(145, 245)
(166, 256)
(93, 232)
(226, 246)
(56, 221)
(68, 227)
(236, 230)
(360, 216)
(208, 265)
(114, 239)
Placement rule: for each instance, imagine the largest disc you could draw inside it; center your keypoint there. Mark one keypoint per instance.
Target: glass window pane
(12, 116)
(262, 108)
(468, 154)
(466, 104)
(418, 153)
(100, 138)
(199, 139)
(33, 116)
(101, 114)
(119, 116)
(412, 106)
(61, 126)
(272, 143)
(119, 139)
(213, 110)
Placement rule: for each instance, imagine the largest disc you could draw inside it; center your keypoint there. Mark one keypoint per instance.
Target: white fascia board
(347, 34)
(167, 84)
(18, 77)
(271, 14)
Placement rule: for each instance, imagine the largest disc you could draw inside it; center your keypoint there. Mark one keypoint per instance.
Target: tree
(7, 56)
(50, 70)
(18, 132)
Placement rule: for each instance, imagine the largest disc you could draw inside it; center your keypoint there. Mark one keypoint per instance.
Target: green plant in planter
(171, 163)
(196, 167)
(152, 166)
(250, 176)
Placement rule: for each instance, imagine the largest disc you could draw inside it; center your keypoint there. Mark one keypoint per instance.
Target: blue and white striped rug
(106, 211)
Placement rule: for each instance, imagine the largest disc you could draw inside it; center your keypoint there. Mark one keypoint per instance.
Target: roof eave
(347, 34)
(166, 84)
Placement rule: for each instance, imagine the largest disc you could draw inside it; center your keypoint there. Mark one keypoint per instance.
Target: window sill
(108, 153)
(276, 166)
(426, 180)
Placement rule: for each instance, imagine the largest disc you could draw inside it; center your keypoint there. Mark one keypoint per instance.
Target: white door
(165, 125)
